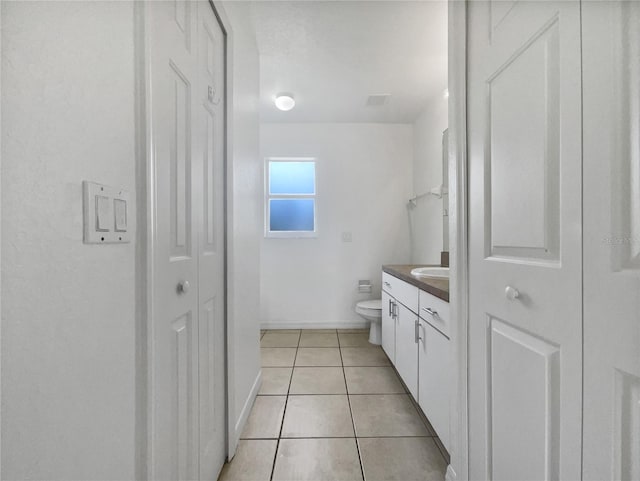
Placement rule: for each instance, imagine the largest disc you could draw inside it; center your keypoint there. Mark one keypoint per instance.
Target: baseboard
(248, 404)
(450, 474)
(315, 325)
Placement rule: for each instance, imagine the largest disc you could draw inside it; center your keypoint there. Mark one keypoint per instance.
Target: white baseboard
(315, 325)
(248, 404)
(450, 474)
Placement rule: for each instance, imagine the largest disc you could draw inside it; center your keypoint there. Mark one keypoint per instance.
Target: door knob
(511, 293)
(183, 287)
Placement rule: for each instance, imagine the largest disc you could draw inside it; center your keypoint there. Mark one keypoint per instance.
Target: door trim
(458, 237)
(147, 225)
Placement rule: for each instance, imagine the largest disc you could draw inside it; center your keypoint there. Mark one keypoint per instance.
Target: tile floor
(332, 408)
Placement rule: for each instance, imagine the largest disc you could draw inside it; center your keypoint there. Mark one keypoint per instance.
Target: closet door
(211, 286)
(525, 257)
(174, 322)
(187, 390)
(611, 99)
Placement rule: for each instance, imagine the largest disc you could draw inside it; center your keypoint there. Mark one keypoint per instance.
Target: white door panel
(611, 73)
(187, 349)
(407, 348)
(524, 219)
(435, 379)
(211, 107)
(388, 327)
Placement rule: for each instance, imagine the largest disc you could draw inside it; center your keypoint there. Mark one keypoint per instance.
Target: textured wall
(68, 309)
(363, 178)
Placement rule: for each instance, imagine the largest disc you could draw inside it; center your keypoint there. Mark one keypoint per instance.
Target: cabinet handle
(394, 312)
(387, 284)
(416, 331)
(390, 309)
(430, 311)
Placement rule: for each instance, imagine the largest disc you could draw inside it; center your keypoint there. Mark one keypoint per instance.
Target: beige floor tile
(364, 356)
(400, 416)
(284, 331)
(318, 356)
(278, 356)
(354, 340)
(253, 461)
(278, 339)
(320, 331)
(401, 459)
(318, 339)
(275, 380)
(354, 331)
(317, 417)
(317, 380)
(317, 460)
(372, 380)
(265, 419)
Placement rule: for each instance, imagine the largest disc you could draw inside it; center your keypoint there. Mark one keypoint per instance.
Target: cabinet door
(435, 378)
(407, 348)
(388, 327)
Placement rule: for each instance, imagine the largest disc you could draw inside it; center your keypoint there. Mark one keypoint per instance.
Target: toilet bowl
(372, 311)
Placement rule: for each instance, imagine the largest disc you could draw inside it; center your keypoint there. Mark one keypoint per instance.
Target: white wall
(363, 182)
(68, 309)
(426, 217)
(245, 222)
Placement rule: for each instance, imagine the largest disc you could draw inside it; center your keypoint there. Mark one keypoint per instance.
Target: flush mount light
(285, 102)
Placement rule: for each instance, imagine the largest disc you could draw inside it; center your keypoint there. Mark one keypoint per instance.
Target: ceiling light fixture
(285, 102)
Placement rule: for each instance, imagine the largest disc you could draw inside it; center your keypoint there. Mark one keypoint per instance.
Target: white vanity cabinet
(407, 348)
(415, 337)
(403, 308)
(389, 326)
(434, 359)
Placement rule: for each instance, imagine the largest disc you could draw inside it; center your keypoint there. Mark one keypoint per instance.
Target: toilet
(372, 311)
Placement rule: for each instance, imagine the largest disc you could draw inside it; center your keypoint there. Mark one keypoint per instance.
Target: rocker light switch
(120, 208)
(105, 214)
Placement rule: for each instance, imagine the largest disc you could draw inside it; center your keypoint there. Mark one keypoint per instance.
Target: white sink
(431, 272)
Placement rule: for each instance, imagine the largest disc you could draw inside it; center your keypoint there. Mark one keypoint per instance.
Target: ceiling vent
(377, 100)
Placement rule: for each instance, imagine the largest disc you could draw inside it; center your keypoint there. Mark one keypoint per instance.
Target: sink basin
(431, 272)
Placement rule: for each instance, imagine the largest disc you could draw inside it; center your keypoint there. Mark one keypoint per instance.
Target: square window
(291, 197)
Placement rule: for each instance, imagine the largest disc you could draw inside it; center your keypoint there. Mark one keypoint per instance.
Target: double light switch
(106, 214)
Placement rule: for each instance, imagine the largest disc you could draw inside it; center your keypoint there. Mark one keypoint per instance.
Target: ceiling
(331, 55)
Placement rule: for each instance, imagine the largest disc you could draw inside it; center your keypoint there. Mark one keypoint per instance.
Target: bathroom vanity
(415, 337)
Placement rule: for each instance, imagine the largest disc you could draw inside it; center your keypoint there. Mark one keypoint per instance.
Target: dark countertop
(437, 287)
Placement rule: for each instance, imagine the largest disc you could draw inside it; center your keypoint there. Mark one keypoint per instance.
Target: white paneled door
(525, 244)
(611, 92)
(187, 393)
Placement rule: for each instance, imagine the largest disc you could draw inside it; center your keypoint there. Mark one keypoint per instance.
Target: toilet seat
(371, 307)
(375, 304)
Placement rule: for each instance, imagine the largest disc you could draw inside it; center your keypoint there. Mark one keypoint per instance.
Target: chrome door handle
(416, 331)
(390, 309)
(430, 311)
(395, 310)
(183, 287)
(511, 293)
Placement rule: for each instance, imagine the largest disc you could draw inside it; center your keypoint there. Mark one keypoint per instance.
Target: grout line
(353, 423)
(284, 412)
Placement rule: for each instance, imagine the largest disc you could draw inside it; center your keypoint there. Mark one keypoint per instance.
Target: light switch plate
(107, 214)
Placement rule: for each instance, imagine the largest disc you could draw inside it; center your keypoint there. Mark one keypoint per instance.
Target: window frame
(289, 234)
